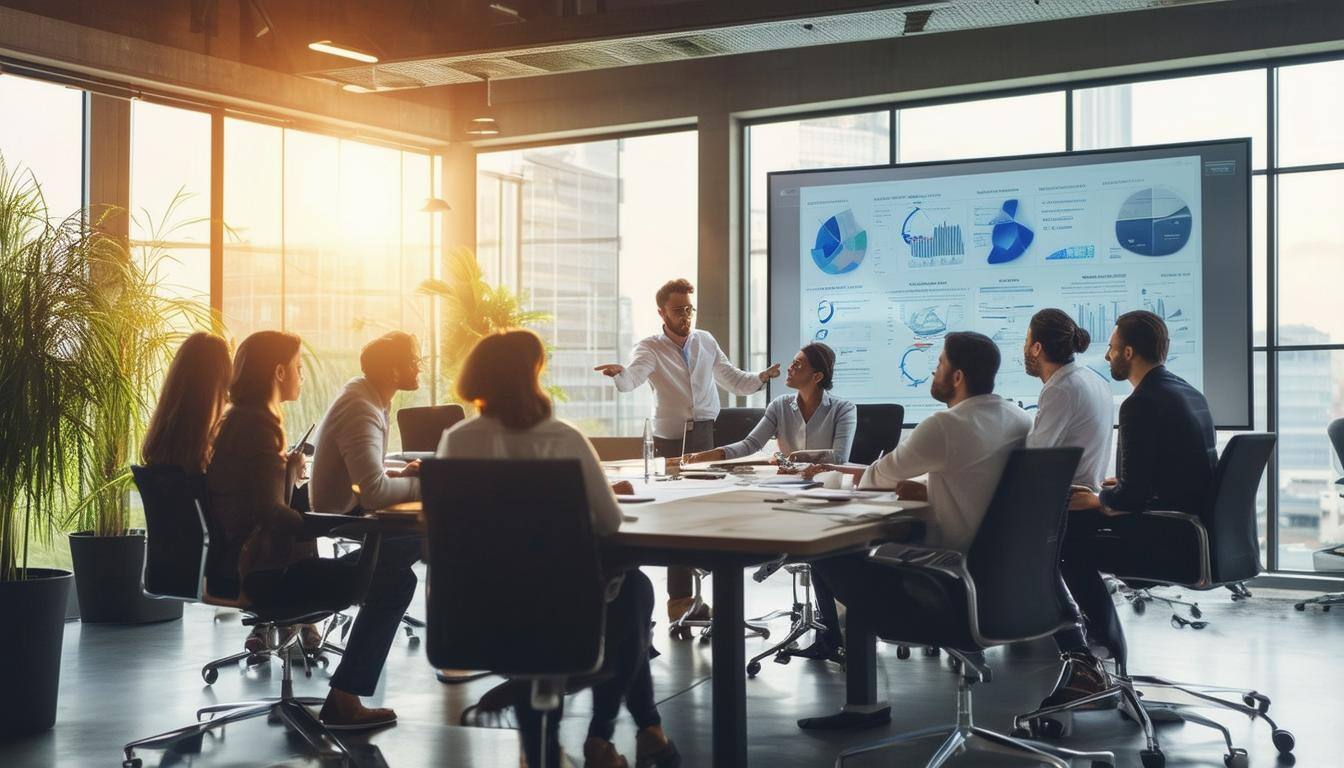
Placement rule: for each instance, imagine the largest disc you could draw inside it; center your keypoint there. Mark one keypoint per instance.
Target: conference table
(726, 525)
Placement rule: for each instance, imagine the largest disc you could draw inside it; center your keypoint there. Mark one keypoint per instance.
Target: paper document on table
(842, 510)
(835, 494)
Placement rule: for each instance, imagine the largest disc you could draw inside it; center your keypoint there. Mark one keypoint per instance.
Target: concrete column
(719, 285)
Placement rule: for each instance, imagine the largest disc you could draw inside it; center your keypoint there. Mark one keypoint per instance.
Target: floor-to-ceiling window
(587, 233)
(43, 133)
(1291, 114)
(324, 237)
(170, 197)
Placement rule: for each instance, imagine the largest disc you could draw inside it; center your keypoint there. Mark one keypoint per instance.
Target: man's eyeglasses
(682, 311)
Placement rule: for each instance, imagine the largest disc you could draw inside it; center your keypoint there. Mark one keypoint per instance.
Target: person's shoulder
(559, 427)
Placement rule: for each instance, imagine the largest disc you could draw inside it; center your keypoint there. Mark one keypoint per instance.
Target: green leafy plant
(143, 324)
(53, 357)
(471, 309)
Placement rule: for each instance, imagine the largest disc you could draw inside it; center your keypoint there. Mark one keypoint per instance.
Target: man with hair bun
(1075, 410)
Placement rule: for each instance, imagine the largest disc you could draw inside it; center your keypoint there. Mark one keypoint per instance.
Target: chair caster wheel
(753, 669)
(953, 663)
(704, 639)
(679, 633)
(413, 641)
(1325, 609)
(1194, 611)
(210, 675)
(902, 652)
(131, 762)
(1257, 700)
(932, 652)
(1237, 758)
(1152, 758)
(1140, 607)
(1283, 741)
(1301, 606)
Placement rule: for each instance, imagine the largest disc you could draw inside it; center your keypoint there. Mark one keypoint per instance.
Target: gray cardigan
(831, 427)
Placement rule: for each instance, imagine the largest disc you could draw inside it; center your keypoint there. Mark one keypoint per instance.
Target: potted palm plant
(50, 360)
(142, 325)
(471, 308)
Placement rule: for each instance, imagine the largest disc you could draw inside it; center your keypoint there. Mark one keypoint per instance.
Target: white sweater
(351, 443)
(486, 438)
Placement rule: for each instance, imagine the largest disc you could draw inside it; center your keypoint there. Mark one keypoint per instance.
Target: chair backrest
(1230, 518)
(1336, 432)
(177, 540)
(878, 431)
(1014, 559)
(618, 448)
(515, 581)
(734, 424)
(422, 427)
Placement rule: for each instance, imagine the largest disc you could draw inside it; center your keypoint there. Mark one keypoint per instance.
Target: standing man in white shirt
(683, 366)
(1075, 410)
(963, 450)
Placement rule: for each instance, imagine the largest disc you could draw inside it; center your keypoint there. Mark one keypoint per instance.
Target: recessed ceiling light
(482, 126)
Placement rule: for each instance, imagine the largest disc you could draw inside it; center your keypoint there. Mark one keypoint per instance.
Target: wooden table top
(723, 516)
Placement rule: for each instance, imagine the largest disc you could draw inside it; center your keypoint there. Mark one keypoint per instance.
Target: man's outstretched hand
(769, 373)
(612, 369)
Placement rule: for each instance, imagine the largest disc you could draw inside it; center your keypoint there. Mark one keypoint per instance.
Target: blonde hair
(502, 376)
(194, 394)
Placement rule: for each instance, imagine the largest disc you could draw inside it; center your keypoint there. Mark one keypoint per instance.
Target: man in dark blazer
(1165, 460)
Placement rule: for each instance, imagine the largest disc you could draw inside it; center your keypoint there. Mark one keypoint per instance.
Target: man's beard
(1032, 366)
(941, 391)
(1120, 369)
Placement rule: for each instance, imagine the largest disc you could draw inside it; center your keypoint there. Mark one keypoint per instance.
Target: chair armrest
(323, 523)
(1186, 516)
(903, 555)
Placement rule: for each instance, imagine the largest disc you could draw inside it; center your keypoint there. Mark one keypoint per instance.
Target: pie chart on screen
(840, 245)
(1154, 221)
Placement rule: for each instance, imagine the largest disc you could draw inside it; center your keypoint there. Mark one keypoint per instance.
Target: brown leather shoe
(1081, 676)
(654, 750)
(600, 753)
(345, 716)
(677, 607)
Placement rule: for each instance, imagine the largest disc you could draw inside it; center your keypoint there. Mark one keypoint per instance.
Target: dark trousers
(830, 614)
(626, 677)
(1092, 601)
(701, 438)
(330, 584)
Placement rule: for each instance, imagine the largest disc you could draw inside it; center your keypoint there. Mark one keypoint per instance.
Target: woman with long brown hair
(194, 394)
(502, 377)
(249, 478)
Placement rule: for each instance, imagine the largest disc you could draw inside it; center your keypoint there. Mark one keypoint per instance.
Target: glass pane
(1015, 125)
(48, 141)
(1311, 105)
(827, 142)
(1310, 248)
(1206, 107)
(253, 212)
(170, 196)
(1311, 513)
(1259, 220)
(587, 233)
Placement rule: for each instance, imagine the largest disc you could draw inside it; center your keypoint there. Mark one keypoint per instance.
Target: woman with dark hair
(810, 420)
(249, 479)
(502, 378)
(192, 400)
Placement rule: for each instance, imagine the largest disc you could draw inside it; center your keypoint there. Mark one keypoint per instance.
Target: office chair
(1336, 432)
(178, 561)
(877, 432)
(734, 424)
(520, 559)
(1220, 546)
(1003, 590)
(422, 427)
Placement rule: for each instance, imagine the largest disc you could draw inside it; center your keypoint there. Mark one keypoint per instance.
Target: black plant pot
(107, 574)
(31, 632)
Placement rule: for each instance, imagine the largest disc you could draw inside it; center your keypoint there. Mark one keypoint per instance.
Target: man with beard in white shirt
(1075, 410)
(683, 365)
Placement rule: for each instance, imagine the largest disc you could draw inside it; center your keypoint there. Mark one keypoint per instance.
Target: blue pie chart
(840, 245)
(1154, 221)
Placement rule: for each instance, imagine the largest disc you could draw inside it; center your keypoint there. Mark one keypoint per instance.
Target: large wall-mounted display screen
(881, 263)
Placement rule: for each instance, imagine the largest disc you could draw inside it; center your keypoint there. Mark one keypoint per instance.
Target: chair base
(682, 627)
(803, 616)
(1324, 601)
(965, 736)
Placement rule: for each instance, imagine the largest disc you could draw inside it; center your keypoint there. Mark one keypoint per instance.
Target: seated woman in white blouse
(811, 420)
(502, 377)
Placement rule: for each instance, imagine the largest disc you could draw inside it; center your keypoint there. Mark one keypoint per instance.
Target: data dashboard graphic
(931, 245)
(1154, 221)
(840, 244)
(1010, 237)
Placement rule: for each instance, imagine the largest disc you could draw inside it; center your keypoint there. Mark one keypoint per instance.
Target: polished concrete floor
(119, 683)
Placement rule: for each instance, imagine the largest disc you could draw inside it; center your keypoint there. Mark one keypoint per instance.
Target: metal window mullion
(1271, 318)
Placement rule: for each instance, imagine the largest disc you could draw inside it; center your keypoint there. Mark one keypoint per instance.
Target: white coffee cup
(835, 481)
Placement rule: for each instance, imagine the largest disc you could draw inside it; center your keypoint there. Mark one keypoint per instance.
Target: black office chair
(521, 561)
(178, 562)
(1220, 546)
(734, 424)
(878, 431)
(1004, 590)
(1336, 553)
(422, 427)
